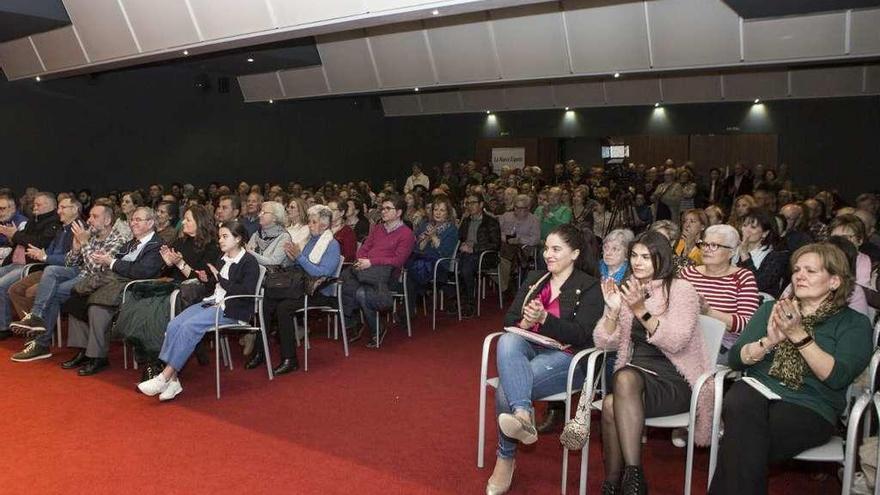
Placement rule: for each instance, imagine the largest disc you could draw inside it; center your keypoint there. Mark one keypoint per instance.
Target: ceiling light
(435, 12)
(566, 109)
(250, 60)
(37, 78)
(757, 100)
(616, 75)
(271, 101)
(657, 105)
(416, 90)
(186, 52)
(488, 112)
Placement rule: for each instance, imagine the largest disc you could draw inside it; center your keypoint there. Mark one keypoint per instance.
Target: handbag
(284, 283)
(576, 433)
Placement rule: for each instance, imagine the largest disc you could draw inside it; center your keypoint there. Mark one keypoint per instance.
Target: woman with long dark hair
(761, 251)
(563, 302)
(651, 321)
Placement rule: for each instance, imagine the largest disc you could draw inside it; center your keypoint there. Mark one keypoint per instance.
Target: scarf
(320, 246)
(789, 366)
(265, 236)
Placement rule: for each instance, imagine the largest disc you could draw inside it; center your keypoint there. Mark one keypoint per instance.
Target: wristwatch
(646, 316)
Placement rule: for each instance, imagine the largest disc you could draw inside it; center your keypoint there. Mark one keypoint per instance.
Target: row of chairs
(838, 450)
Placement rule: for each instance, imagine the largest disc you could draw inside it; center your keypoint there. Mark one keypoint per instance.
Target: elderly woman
(762, 252)
(693, 222)
(319, 258)
(144, 316)
(297, 224)
(267, 243)
(727, 292)
(434, 240)
(130, 202)
(615, 246)
(651, 320)
(563, 303)
(807, 350)
(237, 274)
(671, 231)
(166, 221)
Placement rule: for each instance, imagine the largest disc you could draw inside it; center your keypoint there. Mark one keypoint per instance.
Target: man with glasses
(520, 229)
(379, 259)
(58, 281)
(36, 235)
(91, 314)
(478, 232)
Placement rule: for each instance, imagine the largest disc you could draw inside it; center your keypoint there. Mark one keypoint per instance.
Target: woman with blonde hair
(740, 209)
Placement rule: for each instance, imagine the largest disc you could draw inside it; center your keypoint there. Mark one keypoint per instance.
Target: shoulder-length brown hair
(206, 231)
(834, 261)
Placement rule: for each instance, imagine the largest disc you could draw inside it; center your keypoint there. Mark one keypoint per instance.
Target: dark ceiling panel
(756, 9)
(20, 18)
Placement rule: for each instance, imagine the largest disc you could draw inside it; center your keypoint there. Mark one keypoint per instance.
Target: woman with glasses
(727, 292)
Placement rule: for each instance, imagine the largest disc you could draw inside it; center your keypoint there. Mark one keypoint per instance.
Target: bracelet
(803, 343)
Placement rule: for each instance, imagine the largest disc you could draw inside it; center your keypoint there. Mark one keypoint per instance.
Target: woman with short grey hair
(322, 213)
(614, 250)
(267, 243)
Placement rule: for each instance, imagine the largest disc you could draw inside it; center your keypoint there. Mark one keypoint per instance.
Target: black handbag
(284, 283)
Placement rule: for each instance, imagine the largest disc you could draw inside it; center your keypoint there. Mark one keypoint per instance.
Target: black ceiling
(754, 9)
(19, 18)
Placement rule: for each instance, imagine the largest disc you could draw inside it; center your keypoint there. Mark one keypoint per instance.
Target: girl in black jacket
(238, 274)
(563, 303)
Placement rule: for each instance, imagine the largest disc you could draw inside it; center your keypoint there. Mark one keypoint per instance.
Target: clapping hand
(101, 258)
(633, 294)
(785, 321)
(533, 313)
(8, 230)
(704, 305)
(202, 275)
(36, 253)
(292, 249)
(611, 294)
(81, 233)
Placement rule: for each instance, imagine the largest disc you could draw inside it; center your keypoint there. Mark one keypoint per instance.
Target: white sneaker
(153, 386)
(171, 390)
(679, 437)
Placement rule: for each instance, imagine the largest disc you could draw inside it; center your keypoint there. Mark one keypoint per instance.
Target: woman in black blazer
(238, 274)
(563, 303)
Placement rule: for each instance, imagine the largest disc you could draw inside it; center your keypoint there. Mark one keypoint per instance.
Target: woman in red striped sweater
(727, 293)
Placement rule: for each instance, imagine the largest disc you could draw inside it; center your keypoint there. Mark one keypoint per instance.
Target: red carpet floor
(398, 420)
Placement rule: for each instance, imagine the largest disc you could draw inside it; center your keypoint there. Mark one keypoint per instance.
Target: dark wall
(135, 127)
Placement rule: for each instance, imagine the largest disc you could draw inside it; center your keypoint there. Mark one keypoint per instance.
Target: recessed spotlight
(250, 60)
(186, 52)
(416, 90)
(566, 109)
(488, 112)
(616, 75)
(757, 100)
(271, 101)
(657, 105)
(435, 12)
(37, 78)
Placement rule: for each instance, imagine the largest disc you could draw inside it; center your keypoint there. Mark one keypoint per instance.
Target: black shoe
(151, 370)
(77, 361)
(5, 334)
(30, 322)
(355, 333)
(609, 488)
(31, 352)
(373, 343)
(96, 365)
(633, 481)
(256, 359)
(552, 418)
(286, 366)
(468, 312)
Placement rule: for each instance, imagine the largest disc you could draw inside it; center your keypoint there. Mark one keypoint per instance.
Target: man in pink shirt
(379, 260)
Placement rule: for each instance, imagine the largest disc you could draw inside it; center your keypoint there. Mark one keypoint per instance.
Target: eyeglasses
(138, 220)
(711, 246)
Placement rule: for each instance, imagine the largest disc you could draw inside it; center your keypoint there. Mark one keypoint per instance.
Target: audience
(807, 350)
(651, 321)
(237, 274)
(694, 221)
(520, 235)
(762, 252)
(479, 232)
(435, 239)
(563, 303)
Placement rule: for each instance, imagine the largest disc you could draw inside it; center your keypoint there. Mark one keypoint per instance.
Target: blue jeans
(528, 372)
(54, 289)
(9, 275)
(185, 331)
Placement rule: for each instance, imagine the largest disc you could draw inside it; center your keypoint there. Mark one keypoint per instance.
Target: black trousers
(468, 264)
(758, 431)
(285, 310)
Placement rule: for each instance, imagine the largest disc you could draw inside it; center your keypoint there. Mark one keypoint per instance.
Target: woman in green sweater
(807, 350)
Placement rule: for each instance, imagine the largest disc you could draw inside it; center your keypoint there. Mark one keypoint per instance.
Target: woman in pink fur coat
(652, 322)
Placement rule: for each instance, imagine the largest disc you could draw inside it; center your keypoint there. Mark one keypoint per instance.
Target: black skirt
(666, 391)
